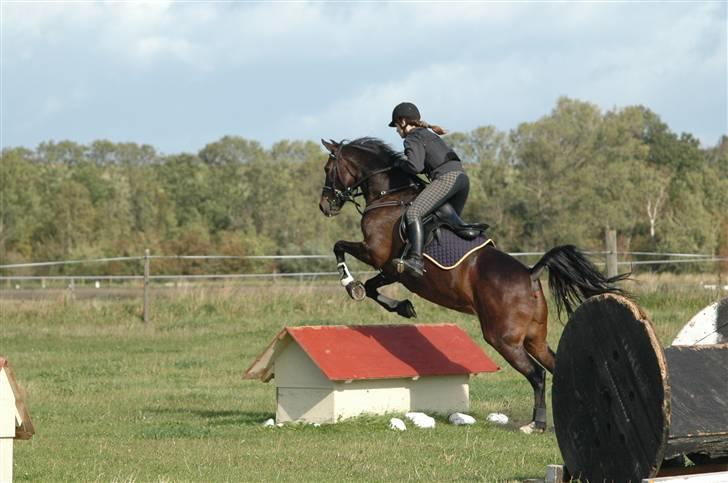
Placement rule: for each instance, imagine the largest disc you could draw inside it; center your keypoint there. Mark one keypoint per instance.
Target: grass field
(114, 399)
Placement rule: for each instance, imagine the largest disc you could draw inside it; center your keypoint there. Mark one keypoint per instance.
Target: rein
(350, 193)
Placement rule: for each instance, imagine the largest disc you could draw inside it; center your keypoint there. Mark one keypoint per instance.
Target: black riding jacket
(427, 152)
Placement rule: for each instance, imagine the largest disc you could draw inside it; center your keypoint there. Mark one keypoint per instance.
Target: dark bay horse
(504, 294)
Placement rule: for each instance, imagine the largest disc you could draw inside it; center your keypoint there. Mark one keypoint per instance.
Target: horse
(504, 294)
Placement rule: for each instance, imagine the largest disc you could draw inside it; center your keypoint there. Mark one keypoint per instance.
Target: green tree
(63, 152)
(488, 157)
(227, 160)
(550, 156)
(184, 178)
(72, 216)
(20, 203)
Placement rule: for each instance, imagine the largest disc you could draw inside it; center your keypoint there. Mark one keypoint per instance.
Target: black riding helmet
(406, 110)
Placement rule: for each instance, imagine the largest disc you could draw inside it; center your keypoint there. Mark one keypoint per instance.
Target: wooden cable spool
(622, 405)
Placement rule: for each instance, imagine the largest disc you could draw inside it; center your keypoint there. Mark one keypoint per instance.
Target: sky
(180, 75)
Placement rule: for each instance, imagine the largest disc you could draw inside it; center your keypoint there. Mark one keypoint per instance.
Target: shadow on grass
(218, 418)
(185, 423)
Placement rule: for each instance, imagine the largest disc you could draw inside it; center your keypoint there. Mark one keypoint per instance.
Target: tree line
(564, 178)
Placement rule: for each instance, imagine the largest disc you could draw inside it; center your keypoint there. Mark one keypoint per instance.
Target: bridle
(350, 193)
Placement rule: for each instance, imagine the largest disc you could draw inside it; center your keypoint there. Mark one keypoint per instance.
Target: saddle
(444, 217)
(448, 239)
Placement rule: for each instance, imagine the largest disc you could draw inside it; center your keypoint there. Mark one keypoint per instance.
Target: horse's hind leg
(535, 342)
(544, 355)
(538, 349)
(515, 353)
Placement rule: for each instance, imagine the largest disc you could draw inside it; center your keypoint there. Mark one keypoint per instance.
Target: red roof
(381, 351)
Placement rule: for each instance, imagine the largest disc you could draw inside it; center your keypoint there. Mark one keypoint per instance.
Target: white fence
(147, 278)
(662, 258)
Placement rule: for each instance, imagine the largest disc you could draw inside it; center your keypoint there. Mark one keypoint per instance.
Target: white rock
(280, 425)
(498, 418)
(316, 425)
(269, 423)
(459, 419)
(397, 424)
(421, 420)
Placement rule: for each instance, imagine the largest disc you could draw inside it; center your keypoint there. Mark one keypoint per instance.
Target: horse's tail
(573, 278)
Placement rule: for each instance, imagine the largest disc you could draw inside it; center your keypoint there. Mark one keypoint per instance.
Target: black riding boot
(413, 262)
(462, 229)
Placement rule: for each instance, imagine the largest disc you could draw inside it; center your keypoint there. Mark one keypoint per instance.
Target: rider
(426, 152)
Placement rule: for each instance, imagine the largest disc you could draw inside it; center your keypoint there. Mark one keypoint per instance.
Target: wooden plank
(699, 400)
(717, 477)
(692, 470)
(554, 474)
(611, 397)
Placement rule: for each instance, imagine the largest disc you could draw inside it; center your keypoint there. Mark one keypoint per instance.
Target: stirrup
(415, 266)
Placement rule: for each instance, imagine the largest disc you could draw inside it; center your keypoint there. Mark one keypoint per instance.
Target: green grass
(114, 399)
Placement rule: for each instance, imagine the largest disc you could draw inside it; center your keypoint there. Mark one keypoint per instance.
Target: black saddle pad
(447, 250)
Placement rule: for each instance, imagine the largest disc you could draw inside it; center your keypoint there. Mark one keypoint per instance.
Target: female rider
(426, 152)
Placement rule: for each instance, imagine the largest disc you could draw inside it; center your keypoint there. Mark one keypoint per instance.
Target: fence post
(72, 289)
(146, 285)
(611, 242)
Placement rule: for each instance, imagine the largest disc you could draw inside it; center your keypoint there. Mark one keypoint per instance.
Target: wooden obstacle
(709, 326)
(623, 406)
(327, 373)
(15, 420)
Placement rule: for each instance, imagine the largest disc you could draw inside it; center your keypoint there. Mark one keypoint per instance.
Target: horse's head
(356, 168)
(342, 176)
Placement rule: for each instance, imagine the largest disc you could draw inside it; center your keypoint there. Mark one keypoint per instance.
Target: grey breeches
(452, 187)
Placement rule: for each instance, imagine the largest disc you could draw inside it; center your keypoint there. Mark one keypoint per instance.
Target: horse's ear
(330, 145)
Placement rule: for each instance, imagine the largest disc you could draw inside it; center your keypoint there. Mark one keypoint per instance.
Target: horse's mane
(378, 148)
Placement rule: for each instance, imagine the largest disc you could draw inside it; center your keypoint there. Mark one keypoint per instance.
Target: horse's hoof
(406, 309)
(356, 291)
(532, 428)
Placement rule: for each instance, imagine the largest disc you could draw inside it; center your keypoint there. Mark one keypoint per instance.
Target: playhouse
(327, 373)
(15, 420)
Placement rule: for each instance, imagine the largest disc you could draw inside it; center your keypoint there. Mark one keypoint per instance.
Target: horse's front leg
(358, 250)
(402, 307)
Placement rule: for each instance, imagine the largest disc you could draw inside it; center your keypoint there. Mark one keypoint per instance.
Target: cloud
(661, 67)
(219, 33)
(306, 70)
(135, 32)
(148, 49)
(452, 94)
